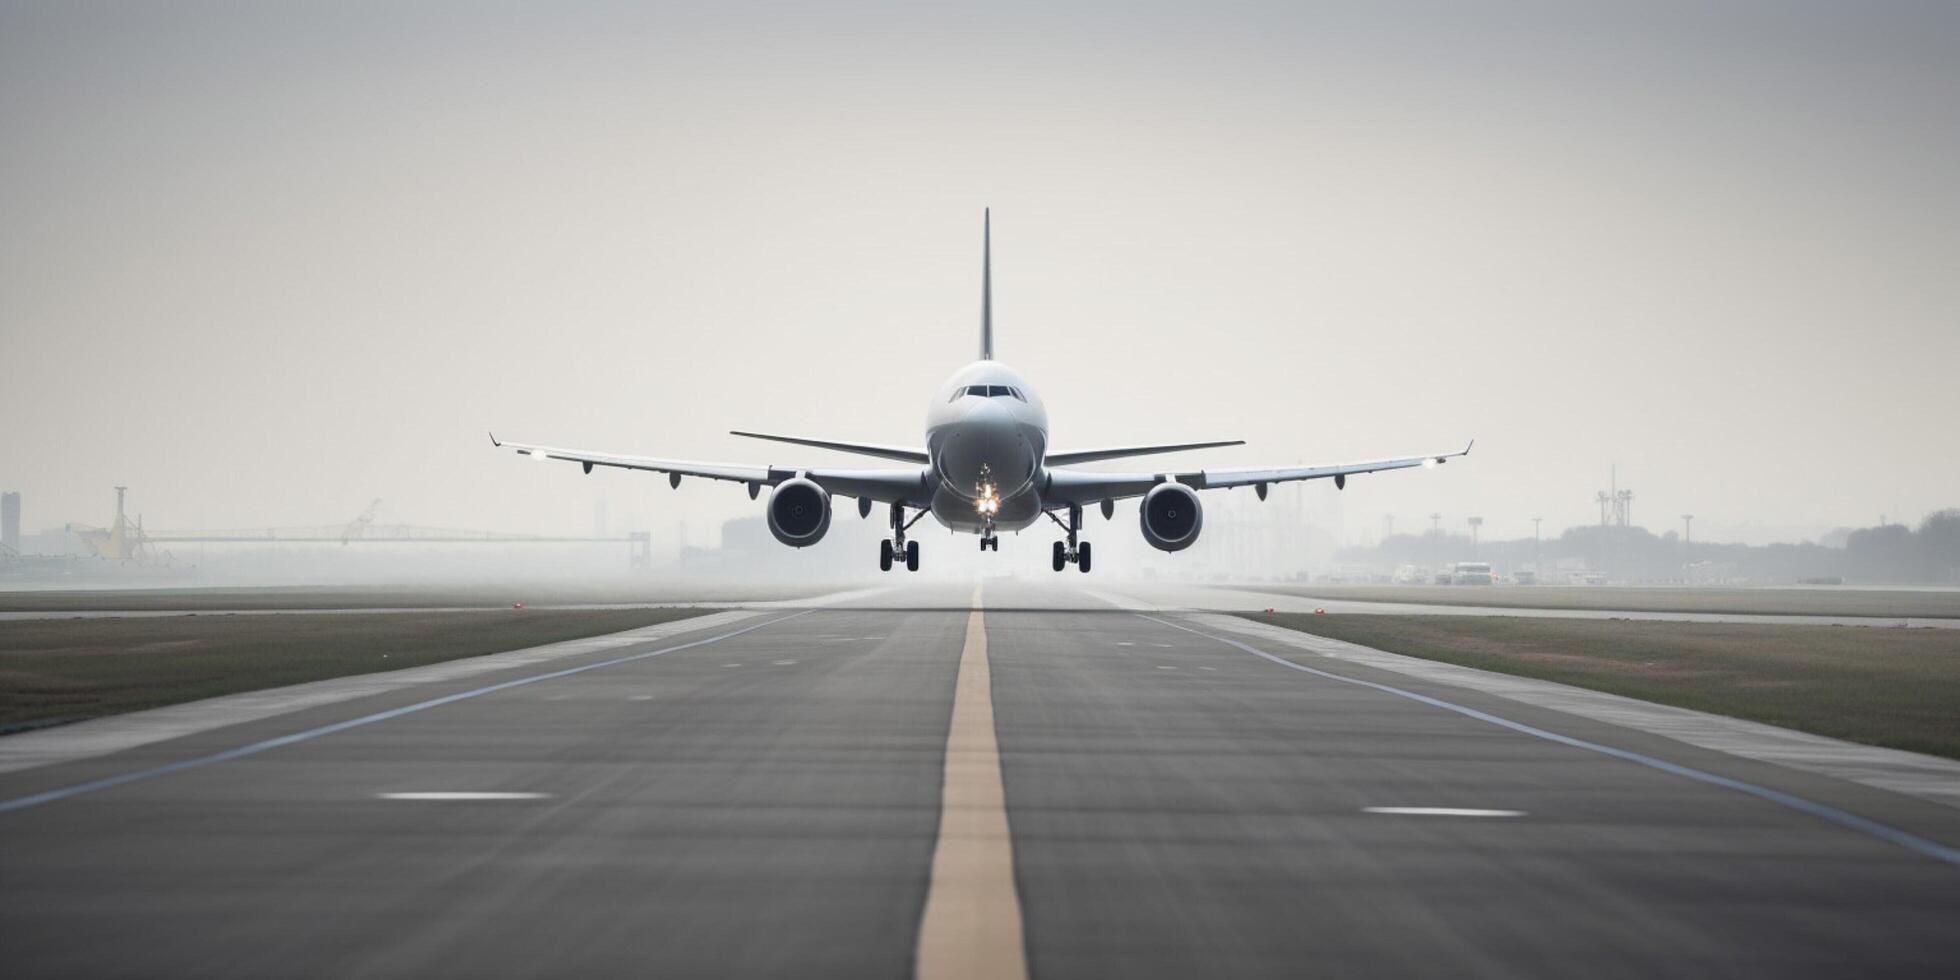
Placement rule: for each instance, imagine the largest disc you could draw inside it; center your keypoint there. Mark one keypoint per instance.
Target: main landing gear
(896, 548)
(1070, 551)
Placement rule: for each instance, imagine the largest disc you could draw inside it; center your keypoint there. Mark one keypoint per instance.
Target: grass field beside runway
(1898, 688)
(1890, 603)
(56, 670)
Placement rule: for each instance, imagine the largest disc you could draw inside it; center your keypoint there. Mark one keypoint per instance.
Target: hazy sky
(264, 262)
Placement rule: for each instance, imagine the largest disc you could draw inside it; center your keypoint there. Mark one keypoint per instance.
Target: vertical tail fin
(987, 285)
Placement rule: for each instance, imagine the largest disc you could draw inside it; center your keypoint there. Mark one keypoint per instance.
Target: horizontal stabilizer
(900, 453)
(1124, 452)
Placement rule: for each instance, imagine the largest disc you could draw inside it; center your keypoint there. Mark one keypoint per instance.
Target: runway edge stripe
(110, 782)
(1849, 821)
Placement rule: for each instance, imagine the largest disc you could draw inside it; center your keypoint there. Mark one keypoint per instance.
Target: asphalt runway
(765, 799)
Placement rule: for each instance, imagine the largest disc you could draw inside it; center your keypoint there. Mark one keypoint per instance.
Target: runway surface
(764, 797)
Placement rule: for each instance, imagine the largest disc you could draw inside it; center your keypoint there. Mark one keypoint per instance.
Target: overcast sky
(264, 262)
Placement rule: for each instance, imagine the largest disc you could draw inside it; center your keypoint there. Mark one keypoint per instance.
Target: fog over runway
(761, 794)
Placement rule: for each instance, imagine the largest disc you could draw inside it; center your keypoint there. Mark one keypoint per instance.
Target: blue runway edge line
(1850, 821)
(110, 782)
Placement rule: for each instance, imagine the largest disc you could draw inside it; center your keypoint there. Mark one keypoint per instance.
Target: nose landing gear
(896, 548)
(1072, 550)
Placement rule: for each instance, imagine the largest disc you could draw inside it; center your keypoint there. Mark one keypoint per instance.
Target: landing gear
(896, 549)
(1071, 550)
(989, 543)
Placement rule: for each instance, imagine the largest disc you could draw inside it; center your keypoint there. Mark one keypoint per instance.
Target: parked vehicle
(1472, 573)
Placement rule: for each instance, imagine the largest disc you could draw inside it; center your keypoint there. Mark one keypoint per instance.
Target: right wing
(906, 486)
(1123, 452)
(1076, 487)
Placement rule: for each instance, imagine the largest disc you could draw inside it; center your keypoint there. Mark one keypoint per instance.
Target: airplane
(985, 468)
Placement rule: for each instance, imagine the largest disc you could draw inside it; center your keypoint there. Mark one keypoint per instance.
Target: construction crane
(357, 528)
(120, 541)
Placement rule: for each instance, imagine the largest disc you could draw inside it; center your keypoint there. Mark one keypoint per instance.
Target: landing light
(1429, 464)
(538, 455)
(987, 499)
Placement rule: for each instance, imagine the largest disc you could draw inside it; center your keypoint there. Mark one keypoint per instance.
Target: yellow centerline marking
(971, 928)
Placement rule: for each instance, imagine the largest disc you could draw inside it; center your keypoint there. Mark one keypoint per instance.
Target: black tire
(911, 556)
(1061, 556)
(884, 556)
(1082, 556)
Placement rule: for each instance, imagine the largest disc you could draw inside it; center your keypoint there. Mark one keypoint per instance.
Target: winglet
(987, 284)
(493, 440)
(1467, 445)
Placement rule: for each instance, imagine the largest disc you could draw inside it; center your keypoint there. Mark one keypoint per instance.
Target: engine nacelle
(799, 512)
(1171, 516)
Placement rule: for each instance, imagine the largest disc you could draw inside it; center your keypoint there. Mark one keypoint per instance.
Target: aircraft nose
(987, 439)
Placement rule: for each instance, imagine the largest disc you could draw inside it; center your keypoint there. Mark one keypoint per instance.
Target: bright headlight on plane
(538, 455)
(1429, 464)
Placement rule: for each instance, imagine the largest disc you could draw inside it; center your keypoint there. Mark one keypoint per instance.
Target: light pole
(1687, 529)
(1535, 522)
(1435, 535)
(1475, 523)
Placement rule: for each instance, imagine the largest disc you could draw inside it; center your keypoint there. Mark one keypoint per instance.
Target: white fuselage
(986, 434)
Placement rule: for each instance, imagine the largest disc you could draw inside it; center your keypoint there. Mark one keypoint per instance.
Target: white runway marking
(1440, 811)
(731, 665)
(641, 697)
(784, 663)
(1124, 643)
(463, 796)
(1162, 667)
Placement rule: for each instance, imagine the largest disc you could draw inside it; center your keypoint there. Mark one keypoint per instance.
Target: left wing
(1066, 487)
(906, 486)
(904, 454)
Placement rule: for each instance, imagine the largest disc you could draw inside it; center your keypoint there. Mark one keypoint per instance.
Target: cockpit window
(988, 391)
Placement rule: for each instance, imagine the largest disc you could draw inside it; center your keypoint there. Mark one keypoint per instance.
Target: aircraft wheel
(1061, 555)
(884, 556)
(1082, 556)
(911, 556)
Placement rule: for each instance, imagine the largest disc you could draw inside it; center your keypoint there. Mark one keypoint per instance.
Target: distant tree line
(1887, 554)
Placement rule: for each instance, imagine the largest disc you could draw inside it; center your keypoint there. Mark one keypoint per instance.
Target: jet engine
(799, 512)
(1171, 516)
